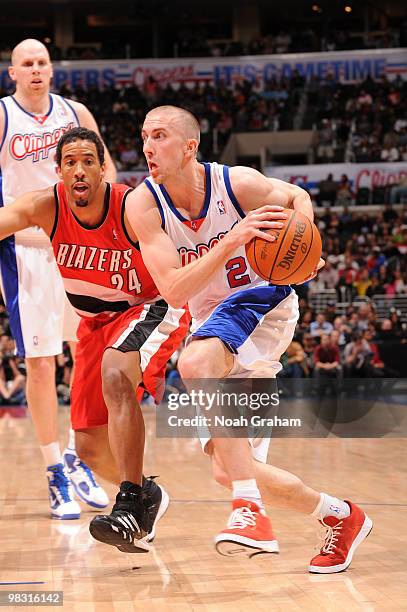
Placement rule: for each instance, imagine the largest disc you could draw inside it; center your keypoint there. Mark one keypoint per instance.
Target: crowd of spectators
(245, 106)
(365, 122)
(365, 255)
(361, 123)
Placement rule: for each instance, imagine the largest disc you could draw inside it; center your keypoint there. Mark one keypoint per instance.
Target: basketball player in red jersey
(241, 326)
(126, 335)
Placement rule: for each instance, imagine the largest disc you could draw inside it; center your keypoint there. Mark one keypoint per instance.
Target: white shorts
(40, 314)
(256, 325)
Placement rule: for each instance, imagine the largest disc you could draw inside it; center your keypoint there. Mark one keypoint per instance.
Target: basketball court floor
(184, 572)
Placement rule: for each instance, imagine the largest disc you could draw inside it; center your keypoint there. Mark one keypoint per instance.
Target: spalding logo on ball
(292, 257)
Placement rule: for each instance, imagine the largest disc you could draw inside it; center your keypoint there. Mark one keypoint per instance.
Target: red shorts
(154, 330)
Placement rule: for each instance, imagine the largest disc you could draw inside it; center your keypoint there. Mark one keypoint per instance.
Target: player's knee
(195, 364)
(40, 369)
(87, 450)
(114, 381)
(118, 379)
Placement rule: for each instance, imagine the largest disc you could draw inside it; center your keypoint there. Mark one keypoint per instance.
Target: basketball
(292, 257)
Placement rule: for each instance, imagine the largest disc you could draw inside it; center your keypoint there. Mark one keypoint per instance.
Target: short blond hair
(188, 121)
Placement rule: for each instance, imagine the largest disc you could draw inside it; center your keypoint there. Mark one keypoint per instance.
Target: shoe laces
(241, 518)
(330, 538)
(62, 484)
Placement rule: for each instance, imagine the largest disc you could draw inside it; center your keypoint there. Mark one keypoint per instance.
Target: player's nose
(79, 170)
(147, 146)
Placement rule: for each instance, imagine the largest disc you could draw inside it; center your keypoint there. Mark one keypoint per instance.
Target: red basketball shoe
(342, 538)
(249, 531)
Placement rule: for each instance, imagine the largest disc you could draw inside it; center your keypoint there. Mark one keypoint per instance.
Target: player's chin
(81, 203)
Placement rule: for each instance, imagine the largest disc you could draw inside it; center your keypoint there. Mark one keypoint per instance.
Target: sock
(247, 489)
(331, 506)
(51, 454)
(71, 441)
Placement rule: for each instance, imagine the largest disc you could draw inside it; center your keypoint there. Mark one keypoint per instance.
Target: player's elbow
(172, 290)
(173, 299)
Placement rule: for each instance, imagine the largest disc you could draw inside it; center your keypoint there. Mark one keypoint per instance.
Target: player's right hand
(256, 222)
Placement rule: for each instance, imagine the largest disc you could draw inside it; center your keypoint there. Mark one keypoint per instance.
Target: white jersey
(221, 211)
(27, 155)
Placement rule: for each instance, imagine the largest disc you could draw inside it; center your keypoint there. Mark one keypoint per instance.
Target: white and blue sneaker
(83, 481)
(63, 505)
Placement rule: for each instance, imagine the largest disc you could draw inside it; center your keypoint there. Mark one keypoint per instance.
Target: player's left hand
(315, 271)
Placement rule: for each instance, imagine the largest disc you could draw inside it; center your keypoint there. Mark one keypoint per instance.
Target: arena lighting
(316, 8)
(347, 9)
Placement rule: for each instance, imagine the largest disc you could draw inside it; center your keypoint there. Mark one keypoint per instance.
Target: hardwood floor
(184, 572)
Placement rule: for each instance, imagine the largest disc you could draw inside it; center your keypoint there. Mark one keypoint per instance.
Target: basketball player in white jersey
(32, 121)
(200, 216)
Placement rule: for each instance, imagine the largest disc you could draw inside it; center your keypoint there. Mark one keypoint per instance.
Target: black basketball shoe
(157, 502)
(131, 524)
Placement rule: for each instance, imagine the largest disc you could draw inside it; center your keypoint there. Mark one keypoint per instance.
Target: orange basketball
(294, 254)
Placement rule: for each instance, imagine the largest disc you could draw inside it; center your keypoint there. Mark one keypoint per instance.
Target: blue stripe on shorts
(9, 277)
(235, 319)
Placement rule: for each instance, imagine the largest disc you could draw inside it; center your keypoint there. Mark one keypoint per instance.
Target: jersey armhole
(157, 201)
(3, 138)
(69, 105)
(54, 227)
(230, 193)
(126, 233)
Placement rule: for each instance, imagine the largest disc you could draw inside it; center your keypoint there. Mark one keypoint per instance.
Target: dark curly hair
(80, 133)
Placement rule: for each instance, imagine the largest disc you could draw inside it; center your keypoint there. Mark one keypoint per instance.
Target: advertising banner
(344, 66)
(369, 175)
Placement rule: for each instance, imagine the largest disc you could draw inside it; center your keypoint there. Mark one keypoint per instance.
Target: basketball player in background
(32, 121)
(241, 326)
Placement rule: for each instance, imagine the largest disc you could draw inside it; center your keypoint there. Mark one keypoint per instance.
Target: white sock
(331, 506)
(71, 441)
(51, 454)
(247, 489)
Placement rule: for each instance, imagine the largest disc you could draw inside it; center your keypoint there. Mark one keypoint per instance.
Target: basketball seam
(299, 265)
(255, 258)
(281, 244)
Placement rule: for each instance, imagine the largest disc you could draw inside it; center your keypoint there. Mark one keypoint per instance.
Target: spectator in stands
(357, 357)
(305, 320)
(389, 153)
(295, 364)
(327, 359)
(329, 276)
(320, 326)
(399, 191)
(342, 329)
(129, 157)
(362, 282)
(325, 142)
(345, 195)
(327, 191)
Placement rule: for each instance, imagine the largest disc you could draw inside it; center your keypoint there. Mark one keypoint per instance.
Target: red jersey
(101, 267)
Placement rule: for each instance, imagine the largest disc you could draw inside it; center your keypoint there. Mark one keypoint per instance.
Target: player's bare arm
(36, 208)
(252, 190)
(86, 119)
(175, 283)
